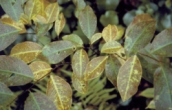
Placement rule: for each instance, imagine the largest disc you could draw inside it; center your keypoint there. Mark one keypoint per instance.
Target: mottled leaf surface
(14, 72)
(60, 92)
(26, 51)
(95, 37)
(39, 101)
(129, 77)
(60, 23)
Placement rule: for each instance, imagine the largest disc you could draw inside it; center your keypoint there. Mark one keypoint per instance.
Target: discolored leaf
(14, 72)
(148, 93)
(40, 69)
(88, 21)
(26, 51)
(57, 51)
(112, 68)
(121, 31)
(60, 23)
(111, 47)
(109, 33)
(139, 33)
(39, 101)
(162, 43)
(163, 88)
(95, 37)
(60, 92)
(129, 77)
(95, 67)
(24, 19)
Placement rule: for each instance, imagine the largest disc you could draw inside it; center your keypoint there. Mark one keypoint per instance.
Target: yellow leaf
(109, 33)
(60, 92)
(26, 51)
(60, 23)
(39, 69)
(120, 33)
(95, 37)
(25, 19)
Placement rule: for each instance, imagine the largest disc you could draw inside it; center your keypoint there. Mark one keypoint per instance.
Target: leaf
(162, 43)
(111, 47)
(57, 51)
(109, 33)
(5, 94)
(95, 38)
(40, 69)
(121, 31)
(12, 8)
(88, 21)
(26, 51)
(151, 105)
(139, 33)
(112, 68)
(42, 29)
(14, 72)
(148, 93)
(60, 23)
(60, 92)
(129, 77)
(163, 88)
(95, 67)
(8, 35)
(38, 101)
(80, 4)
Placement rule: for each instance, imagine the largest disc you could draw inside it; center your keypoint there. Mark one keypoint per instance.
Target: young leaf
(95, 38)
(39, 69)
(14, 72)
(109, 33)
(60, 92)
(26, 51)
(163, 88)
(162, 43)
(39, 101)
(57, 51)
(5, 94)
(112, 68)
(111, 47)
(60, 23)
(88, 21)
(95, 67)
(139, 33)
(8, 35)
(148, 93)
(129, 77)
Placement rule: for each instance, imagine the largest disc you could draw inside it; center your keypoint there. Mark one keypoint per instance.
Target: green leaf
(163, 88)
(5, 94)
(8, 35)
(12, 8)
(39, 101)
(88, 21)
(80, 4)
(162, 43)
(139, 33)
(112, 68)
(42, 29)
(107, 5)
(151, 105)
(14, 72)
(60, 92)
(57, 51)
(95, 67)
(95, 38)
(148, 93)
(129, 77)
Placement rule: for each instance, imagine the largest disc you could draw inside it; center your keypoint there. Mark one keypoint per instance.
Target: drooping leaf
(109, 33)
(148, 93)
(14, 72)
(139, 33)
(8, 35)
(162, 43)
(60, 23)
(163, 88)
(111, 47)
(60, 92)
(26, 51)
(95, 37)
(112, 68)
(95, 67)
(39, 101)
(39, 69)
(5, 94)
(88, 21)
(57, 51)
(129, 77)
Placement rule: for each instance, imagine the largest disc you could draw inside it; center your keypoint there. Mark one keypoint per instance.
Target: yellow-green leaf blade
(129, 77)
(60, 92)
(148, 93)
(95, 37)
(60, 23)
